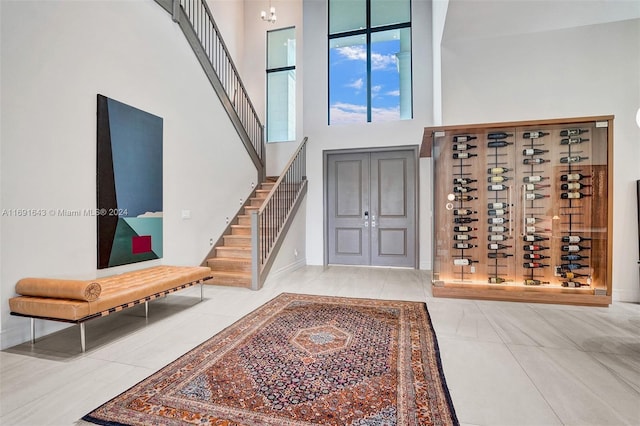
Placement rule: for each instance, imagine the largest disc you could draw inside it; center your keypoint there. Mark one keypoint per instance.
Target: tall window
(369, 60)
(281, 85)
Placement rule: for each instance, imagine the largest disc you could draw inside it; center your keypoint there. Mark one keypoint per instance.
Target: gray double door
(371, 208)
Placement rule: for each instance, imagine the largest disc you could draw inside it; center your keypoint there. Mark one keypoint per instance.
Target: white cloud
(354, 53)
(380, 62)
(356, 84)
(393, 93)
(151, 214)
(359, 53)
(385, 114)
(343, 113)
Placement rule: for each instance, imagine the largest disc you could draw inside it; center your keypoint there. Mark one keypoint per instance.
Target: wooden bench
(76, 301)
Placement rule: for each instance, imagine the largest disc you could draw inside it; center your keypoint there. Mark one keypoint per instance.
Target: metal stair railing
(197, 23)
(269, 224)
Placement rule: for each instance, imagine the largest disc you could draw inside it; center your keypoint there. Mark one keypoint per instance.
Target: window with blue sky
(281, 85)
(369, 61)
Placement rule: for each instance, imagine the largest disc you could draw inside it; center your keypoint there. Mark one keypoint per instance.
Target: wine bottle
(497, 220)
(533, 179)
(534, 247)
(572, 159)
(533, 161)
(464, 138)
(465, 198)
(535, 256)
(463, 181)
(573, 248)
(497, 237)
(463, 189)
(534, 186)
(463, 237)
(533, 265)
(463, 262)
(534, 151)
(573, 132)
(572, 266)
(532, 229)
(533, 238)
(497, 228)
(573, 284)
(463, 212)
(532, 196)
(573, 186)
(571, 275)
(574, 239)
(498, 255)
(463, 146)
(499, 135)
(535, 282)
(571, 257)
(533, 135)
(498, 144)
(464, 229)
(463, 246)
(573, 195)
(497, 280)
(497, 212)
(497, 187)
(571, 141)
(462, 155)
(497, 246)
(497, 179)
(498, 205)
(532, 220)
(572, 177)
(497, 170)
(464, 219)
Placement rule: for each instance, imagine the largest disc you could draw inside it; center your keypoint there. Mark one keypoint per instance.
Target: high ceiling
(491, 18)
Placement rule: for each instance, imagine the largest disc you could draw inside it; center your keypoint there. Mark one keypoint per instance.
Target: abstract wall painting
(129, 184)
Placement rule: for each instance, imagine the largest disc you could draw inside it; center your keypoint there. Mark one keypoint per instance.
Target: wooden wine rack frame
(557, 217)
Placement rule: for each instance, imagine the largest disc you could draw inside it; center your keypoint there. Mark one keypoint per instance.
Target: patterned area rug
(301, 360)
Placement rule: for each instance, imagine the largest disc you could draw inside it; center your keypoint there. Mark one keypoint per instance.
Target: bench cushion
(117, 290)
(59, 289)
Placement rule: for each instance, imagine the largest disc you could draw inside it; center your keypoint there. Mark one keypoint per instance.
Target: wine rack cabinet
(522, 211)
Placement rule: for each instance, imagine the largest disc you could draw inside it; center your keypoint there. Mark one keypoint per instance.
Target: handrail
(273, 217)
(208, 33)
(282, 177)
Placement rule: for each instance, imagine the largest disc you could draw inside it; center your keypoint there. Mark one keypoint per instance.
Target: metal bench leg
(33, 331)
(146, 309)
(201, 291)
(82, 340)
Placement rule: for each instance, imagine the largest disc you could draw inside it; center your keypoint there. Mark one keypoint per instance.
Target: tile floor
(505, 363)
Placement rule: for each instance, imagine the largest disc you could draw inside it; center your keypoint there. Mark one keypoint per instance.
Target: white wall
(56, 56)
(582, 71)
(324, 137)
(253, 71)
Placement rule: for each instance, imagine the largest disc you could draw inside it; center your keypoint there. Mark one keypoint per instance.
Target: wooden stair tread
(229, 259)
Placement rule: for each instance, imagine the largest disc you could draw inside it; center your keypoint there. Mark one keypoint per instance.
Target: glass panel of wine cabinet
(521, 211)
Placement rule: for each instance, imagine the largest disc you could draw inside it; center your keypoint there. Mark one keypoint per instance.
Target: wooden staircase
(231, 265)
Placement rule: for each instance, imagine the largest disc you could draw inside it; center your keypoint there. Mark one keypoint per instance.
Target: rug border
(436, 347)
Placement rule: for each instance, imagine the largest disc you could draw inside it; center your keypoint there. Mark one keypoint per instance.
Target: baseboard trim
(286, 269)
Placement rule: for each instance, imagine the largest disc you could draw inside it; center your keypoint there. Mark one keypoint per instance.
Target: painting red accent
(141, 244)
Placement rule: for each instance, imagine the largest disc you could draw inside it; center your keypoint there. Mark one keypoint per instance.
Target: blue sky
(348, 87)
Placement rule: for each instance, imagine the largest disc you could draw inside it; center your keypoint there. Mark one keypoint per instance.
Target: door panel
(348, 194)
(393, 209)
(371, 208)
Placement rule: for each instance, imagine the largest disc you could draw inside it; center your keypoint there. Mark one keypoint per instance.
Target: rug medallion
(300, 360)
